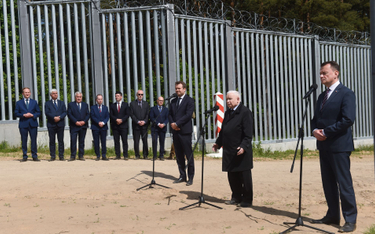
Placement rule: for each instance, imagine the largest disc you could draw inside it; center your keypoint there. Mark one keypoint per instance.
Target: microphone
(215, 108)
(312, 89)
(172, 96)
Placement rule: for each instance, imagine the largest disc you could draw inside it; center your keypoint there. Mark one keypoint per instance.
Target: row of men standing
(78, 112)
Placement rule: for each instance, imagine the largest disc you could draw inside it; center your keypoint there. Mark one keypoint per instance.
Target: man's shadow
(160, 174)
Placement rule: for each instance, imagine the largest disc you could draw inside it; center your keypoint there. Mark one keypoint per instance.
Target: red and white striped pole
(219, 101)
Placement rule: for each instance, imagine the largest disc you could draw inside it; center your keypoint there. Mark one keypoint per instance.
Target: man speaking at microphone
(180, 114)
(235, 138)
(334, 115)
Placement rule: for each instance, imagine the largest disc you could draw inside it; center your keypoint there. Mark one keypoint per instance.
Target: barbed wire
(216, 9)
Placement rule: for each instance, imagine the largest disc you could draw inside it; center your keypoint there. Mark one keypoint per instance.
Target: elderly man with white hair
(79, 115)
(235, 137)
(55, 112)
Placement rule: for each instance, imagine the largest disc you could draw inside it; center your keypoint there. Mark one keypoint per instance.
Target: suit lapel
(332, 96)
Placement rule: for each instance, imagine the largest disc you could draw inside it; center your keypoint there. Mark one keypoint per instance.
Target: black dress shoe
(117, 158)
(61, 159)
(244, 204)
(137, 157)
(231, 202)
(326, 220)
(348, 227)
(24, 160)
(82, 159)
(105, 159)
(126, 158)
(71, 159)
(180, 180)
(36, 160)
(97, 159)
(190, 182)
(161, 158)
(51, 160)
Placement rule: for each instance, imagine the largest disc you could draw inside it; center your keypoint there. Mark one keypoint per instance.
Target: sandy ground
(101, 197)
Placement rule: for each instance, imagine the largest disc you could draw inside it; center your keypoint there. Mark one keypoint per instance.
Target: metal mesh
(216, 9)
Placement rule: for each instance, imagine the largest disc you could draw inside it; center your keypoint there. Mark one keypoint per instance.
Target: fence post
(171, 53)
(25, 46)
(229, 56)
(96, 49)
(316, 66)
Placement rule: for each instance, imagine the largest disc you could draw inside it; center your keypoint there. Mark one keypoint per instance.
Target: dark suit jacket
(21, 110)
(155, 118)
(123, 114)
(97, 117)
(139, 114)
(75, 115)
(183, 115)
(336, 118)
(51, 112)
(237, 131)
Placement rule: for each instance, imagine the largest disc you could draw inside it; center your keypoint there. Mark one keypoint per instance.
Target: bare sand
(101, 197)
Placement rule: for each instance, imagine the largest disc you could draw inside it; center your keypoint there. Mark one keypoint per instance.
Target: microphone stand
(201, 197)
(299, 221)
(153, 166)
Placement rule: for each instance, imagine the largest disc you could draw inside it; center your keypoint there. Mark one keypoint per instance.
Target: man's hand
(101, 124)
(318, 134)
(141, 123)
(161, 125)
(215, 147)
(175, 127)
(118, 121)
(56, 119)
(28, 115)
(240, 151)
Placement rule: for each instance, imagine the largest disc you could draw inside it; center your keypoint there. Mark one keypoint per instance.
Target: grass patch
(370, 230)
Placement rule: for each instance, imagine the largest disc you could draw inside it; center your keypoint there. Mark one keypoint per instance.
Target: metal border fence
(79, 45)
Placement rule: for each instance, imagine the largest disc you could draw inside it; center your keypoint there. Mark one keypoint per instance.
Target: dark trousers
(123, 133)
(100, 136)
(182, 146)
(52, 132)
(24, 135)
(138, 133)
(241, 184)
(338, 185)
(155, 134)
(81, 135)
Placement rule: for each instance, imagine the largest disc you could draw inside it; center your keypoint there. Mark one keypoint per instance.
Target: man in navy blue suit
(119, 113)
(78, 113)
(99, 119)
(55, 112)
(28, 111)
(180, 117)
(159, 121)
(332, 122)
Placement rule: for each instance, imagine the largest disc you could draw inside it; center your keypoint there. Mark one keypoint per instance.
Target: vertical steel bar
(254, 79)
(166, 63)
(189, 51)
(78, 48)
(278, 88)
(142, 53)
(63, 64)
(270, 88)
(237, 78)
(84, 51)
(244, 89)
(282, 51)
(248, 69)
(105, 54)
(259, 84)
(272, 113)
(196, 68)
(41, 63)
(70, 52)
(170, 36)
(2, 95)
(127, 64)
(293, 88)
(48, 50)
(134, 52)
(218, 58)
(33, 52)
(7, 57)
(207, 75)
(55, 51)
(288, 78)
(263, 89)
(156, 46)
(183, 51)
(177, 49)
(149, 58)
(15, 55)
(201, 68)
(112, 69)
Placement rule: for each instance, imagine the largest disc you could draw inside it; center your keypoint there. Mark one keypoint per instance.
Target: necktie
(27, 103)
(325, 97)
(100, 109)
(178, 102)
(79, 106)
(55, 103)
(118, 107)
(140, 104)
(159, 108)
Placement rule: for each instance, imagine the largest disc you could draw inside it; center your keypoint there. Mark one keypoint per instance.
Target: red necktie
(118, 109)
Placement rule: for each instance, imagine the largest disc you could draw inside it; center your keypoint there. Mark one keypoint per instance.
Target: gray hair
(76, 93)
(53, 90)
(235, 93)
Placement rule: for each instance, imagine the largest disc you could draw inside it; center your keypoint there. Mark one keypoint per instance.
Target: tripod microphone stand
(299, 221)
(153, 167)
(201, 197)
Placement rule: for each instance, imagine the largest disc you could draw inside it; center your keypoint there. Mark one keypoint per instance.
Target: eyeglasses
(140, 94)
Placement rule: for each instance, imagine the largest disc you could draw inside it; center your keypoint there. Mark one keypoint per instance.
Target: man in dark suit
(139, 111)
(55, 112)
(119, 113)
(99, 118)
(235, 138)
(333, 118)
(159, 121)
(180, 117)
(28, 111)
(78, 113)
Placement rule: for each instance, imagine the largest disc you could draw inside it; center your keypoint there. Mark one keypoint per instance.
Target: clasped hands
(319, 135)
(28, 115)
(175, 127)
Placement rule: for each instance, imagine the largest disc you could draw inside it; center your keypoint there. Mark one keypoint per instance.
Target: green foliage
(364, 148)
(6, 148)
(259, 152)
(370, 230)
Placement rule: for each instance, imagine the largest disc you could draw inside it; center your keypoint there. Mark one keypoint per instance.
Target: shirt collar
(334, 86)
(235, 108)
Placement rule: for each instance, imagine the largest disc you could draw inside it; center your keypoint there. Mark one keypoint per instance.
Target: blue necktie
(54, 102)
(27, 103)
